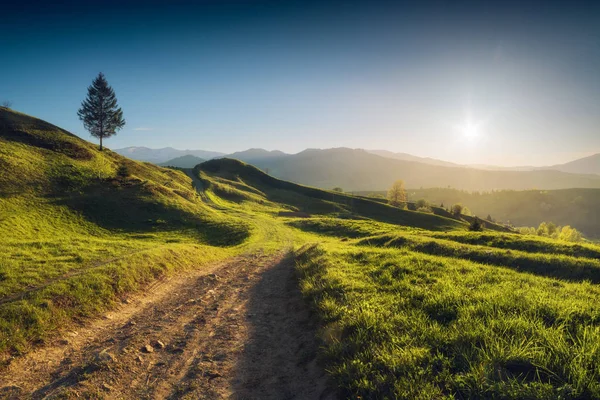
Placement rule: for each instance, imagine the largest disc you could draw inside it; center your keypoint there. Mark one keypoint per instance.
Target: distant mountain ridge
(158, 156)
(410, 157)
(586, 165)
(358, 169)
(256, 154)
(187, 161)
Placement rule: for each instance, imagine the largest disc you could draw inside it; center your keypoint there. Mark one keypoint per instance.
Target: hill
(257, 155)
(82, 227)
(586, 165)
(407, 304)
(355, 170)
(410, 157)
(245, 182)
(163, 155)
(75, 218)
(187, 161)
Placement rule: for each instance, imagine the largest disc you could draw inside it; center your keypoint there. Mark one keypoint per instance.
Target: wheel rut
(238, 329)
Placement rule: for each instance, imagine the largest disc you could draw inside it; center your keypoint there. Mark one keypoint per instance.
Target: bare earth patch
(237, 330)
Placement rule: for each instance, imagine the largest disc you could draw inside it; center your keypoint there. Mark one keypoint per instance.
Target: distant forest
(579, 208)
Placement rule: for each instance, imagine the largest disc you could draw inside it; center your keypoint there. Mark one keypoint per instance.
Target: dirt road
(238, 330)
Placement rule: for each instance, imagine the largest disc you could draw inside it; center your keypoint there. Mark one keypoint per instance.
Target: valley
(123, 279)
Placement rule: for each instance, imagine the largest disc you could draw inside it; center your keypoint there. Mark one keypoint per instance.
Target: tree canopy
(100, 113)
(397, 194)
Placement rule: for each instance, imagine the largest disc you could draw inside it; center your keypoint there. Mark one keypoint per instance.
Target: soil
(238, 329)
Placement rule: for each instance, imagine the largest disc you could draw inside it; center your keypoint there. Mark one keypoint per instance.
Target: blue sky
(469, 82)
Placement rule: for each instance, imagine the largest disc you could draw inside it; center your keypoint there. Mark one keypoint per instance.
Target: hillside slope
(243, 182)
(82, 227)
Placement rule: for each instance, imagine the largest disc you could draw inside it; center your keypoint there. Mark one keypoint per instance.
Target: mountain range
(357, 169)
(158, 156)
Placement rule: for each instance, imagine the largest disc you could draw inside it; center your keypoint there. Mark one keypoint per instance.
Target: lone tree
(397, 195)
(457, 210)
(101, 115)
(476, 225)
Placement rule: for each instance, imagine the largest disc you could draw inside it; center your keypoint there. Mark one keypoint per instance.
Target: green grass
(77, 236)
(316, 201)
(412, 305)
(554, 265)
(403, 324)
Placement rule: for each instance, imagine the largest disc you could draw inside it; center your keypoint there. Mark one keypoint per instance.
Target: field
(407, 304)
(406, 315)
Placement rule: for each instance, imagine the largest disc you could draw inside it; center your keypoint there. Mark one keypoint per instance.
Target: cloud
(142, 128)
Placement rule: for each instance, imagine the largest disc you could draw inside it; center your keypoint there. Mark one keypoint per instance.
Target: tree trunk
(100, 143)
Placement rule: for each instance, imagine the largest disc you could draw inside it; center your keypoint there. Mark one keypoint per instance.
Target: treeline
(578, 208)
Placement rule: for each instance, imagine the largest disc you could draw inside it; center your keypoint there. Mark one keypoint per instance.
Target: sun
(470, 130)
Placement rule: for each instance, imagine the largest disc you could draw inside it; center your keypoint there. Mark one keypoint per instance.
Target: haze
(506, 84)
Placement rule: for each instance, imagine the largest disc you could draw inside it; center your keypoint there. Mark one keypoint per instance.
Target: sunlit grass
(401, 324)
(412, 305)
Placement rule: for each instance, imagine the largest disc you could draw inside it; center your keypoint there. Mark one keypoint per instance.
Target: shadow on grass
(560, 267)
(318, 201)
(136, 209)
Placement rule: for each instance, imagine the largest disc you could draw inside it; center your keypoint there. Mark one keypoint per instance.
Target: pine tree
(101, 115)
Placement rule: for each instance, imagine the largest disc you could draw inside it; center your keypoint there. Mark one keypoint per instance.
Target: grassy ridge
(79, 233)
(317, 201)
(412, 305)
(409, 313)
(554, 265)
(536, 244)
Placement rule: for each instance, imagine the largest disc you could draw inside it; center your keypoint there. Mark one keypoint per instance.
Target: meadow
(410, 305)
(406, 315)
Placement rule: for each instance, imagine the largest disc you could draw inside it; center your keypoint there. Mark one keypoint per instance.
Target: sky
(503, 83)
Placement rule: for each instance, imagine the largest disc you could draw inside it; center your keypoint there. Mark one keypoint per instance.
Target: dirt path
(237, 330)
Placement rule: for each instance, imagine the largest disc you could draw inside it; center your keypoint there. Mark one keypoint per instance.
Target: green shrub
(123, 171)
(476, 225)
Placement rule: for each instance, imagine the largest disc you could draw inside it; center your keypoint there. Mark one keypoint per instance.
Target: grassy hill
(409, 304)
(413, 314)
(81, 228)
(250, 182)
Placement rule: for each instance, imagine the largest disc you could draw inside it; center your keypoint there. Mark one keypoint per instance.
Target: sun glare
(470, 131)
